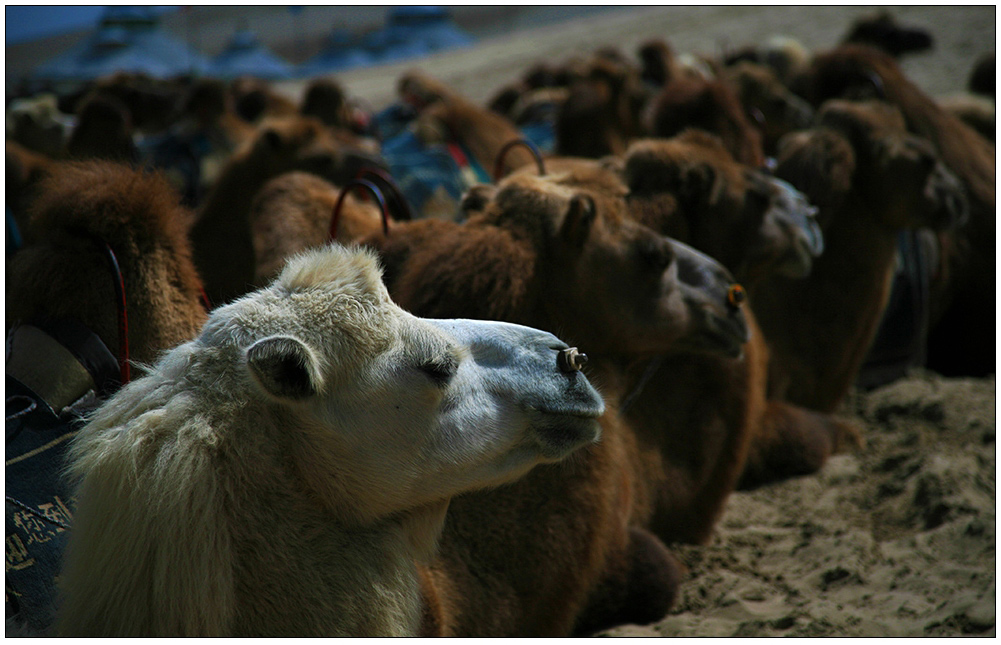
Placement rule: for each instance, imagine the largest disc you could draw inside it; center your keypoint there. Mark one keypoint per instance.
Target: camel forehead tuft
(335, 268)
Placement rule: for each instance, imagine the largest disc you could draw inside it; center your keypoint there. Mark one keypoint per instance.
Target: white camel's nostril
(571, 360)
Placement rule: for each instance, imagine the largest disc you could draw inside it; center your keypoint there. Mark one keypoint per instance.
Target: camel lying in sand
(962, 337)
(870, 179)
(691, 188)
(282, 473)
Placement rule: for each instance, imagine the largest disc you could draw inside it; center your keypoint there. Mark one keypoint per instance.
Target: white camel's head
(389, 411)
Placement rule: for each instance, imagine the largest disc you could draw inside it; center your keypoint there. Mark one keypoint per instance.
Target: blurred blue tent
(410, 32)
(246, 56)
(432, 26)
(128, 39)
(414, 31)
(341, 53)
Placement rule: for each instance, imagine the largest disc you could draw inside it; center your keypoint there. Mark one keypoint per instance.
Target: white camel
(283, 473)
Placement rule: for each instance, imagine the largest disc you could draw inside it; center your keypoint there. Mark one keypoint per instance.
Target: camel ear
(284, 367)
(577, 223)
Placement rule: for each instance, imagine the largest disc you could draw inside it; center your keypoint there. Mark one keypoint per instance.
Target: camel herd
(255, 388)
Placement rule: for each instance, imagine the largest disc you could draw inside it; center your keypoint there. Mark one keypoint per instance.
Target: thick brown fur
(871, 179)
(64, 274)
(962, 340)
(710, 105)
(293, 212)
(691, 188)
(601, 112)
(767, 102)
(224, 252)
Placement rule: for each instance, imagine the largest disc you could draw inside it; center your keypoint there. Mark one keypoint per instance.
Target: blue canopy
(410, 32)
(128, 40)
(341, 53)
(432, 26)
(246, 56)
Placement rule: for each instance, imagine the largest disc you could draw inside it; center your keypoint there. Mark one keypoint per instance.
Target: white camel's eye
(440, 369)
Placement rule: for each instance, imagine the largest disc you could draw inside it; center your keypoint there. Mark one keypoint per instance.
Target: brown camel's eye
(736, 295)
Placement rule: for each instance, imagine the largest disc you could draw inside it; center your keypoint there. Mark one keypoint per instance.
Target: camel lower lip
(559, 435)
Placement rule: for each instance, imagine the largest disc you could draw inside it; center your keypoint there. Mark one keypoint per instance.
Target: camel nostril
(570, 360)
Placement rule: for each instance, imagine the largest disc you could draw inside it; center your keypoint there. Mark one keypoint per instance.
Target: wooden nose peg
(571, 360)
(736, 295)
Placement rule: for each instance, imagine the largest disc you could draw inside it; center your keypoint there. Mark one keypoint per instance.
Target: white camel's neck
(307, 574)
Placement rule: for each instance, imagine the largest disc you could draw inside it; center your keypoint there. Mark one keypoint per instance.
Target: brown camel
(63, 272)
(224, 251)
(767, 102)
(67, 339)
(962, 336)
(293, 212)
(562, 258)
(710, 105)
(446, 116)
(871, 179)
(691, 188)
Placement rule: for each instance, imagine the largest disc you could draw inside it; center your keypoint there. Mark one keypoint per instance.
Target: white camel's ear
(285, 367)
